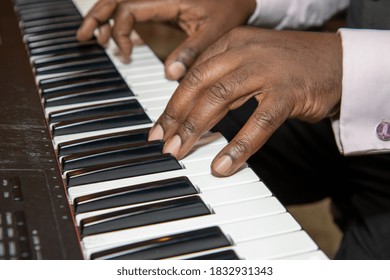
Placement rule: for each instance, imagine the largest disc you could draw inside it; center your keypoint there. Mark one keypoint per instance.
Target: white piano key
(279, 246)
(151, 87)
(71, 137)
(314, 255)
(152, 97)
(150, 78)
(136, 61)
(223, 214)
(138, 52)
(283, 246)
(235, 193)
(208, 181)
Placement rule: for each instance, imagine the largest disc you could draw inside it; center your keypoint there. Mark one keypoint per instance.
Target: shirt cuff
(365, 91)
(294, 14)
(269, 14)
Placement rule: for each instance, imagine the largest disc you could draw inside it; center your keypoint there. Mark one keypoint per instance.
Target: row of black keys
(49, 28)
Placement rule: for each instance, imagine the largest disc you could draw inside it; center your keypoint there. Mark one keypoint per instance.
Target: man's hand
(291, 75)
(203, 20)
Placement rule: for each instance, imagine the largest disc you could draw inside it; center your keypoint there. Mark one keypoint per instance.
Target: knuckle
(264, 120)
(169, 116)
(189, 127)
(194, 78)
(241, 147)
(96, 12)
(219, 92)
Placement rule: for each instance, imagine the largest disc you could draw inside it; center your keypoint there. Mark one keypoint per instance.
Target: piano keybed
(129, 200)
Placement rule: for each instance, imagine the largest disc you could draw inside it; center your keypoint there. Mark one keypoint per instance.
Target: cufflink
(383, 131)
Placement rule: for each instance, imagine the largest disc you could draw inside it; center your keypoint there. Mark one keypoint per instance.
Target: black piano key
(49, 36)
(64, 48)
(102, 141)
(223, 255)
(124, 169)
(52, 28)
(23, 3)
(93, 111)
(111, 155)
(71, 38)
(82, 80)
(40, 4)
(106, 77)
(168, 246)
(43, 7)
(147, 192)
(47, 21)
(90, 95)
(109, 121)
(69, 66)
(72, 55)
(171, 210)
(46, 11)
(71, 61)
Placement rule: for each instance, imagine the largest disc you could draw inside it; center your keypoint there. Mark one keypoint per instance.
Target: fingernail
(173, 145)
(223, 164)
(156, 133)
(176, 70)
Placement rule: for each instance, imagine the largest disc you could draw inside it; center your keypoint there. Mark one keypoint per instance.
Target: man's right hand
(204, 21)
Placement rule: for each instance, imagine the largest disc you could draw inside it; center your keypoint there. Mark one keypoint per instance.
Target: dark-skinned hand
(291, 74)
(203, 20)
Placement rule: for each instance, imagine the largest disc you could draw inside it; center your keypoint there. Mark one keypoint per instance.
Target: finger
(121, 30)
(228, 93)
(221, 45)
(184, 98)
(182, 58)
(99, 15)
(104, 34)
(272, 111)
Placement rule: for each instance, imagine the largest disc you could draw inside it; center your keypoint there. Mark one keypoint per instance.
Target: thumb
(181, 59)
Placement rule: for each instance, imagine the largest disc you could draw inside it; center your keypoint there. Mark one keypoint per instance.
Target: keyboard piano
(79, 179)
